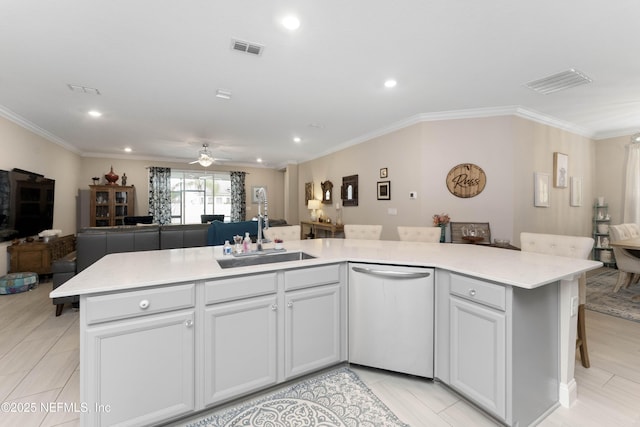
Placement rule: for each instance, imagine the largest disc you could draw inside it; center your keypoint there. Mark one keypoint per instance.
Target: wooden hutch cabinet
(110, 204)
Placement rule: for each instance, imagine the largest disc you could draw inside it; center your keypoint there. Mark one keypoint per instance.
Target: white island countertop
(133, 270)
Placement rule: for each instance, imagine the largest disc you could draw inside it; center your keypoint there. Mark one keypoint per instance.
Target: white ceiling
(158, 64)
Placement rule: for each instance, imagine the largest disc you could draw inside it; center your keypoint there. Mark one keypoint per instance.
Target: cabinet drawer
(491, 294)
(240, 287)
(104, 308)
(314, 276)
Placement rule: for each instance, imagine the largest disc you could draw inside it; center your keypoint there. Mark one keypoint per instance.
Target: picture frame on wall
(308, 192)
(384, 190)
(255, 198)
(541, 190)
(384, 172)
(575, 199)
(560, 170)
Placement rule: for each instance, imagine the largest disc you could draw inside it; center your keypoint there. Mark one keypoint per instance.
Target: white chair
(627, 263)
(572, 247)
(285, 232)
(419, 234)
(364, 232)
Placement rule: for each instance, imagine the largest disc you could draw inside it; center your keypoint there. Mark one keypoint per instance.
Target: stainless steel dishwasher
(391, 317)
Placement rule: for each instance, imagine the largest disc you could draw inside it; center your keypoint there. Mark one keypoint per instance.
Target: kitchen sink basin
(259, 259)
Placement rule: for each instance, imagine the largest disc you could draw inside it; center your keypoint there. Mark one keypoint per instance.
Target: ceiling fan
(205, 158)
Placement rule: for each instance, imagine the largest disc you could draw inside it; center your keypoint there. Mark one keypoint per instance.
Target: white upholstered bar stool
(627, 263)
(572, 247)
(419, 234)
(286, 233)
(364, 232)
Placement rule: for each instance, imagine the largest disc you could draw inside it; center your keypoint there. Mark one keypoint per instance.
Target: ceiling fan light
(205, 161)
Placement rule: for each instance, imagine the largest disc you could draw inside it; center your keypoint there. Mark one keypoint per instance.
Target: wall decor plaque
(466, 180)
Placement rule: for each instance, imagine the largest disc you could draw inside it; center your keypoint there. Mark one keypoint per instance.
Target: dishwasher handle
(391, 274)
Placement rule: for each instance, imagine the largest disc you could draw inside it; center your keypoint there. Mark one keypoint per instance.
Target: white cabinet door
(141, 371)
(312, 329)
(240, 347)
(478, 353)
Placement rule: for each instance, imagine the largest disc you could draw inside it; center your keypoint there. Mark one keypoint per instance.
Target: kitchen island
(174, 325)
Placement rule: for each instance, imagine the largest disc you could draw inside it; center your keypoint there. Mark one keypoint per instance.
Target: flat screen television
(26, 204)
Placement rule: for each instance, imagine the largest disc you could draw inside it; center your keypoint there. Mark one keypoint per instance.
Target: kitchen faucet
(263, 223)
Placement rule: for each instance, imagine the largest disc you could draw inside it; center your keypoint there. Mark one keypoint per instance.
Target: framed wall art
(349, 190)
(384, 172)
(327, 192)
(308, 192)
(541, 190)
(560, 170)
(575, 198)
(255, 197)
(384, 190)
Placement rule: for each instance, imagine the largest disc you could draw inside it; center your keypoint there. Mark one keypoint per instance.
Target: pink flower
(442, 219)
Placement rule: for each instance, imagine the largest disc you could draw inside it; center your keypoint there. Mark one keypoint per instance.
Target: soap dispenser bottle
(246, 243)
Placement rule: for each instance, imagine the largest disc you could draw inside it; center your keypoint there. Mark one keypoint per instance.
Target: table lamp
(313, 206)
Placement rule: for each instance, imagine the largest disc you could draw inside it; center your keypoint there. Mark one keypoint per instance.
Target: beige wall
(509, 149)
(23, 149)
(610, 174)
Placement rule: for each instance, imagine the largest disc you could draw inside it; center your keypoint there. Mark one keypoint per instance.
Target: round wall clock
(466, 180)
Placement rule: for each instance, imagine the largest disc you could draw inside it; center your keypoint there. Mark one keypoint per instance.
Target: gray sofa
(94, 243)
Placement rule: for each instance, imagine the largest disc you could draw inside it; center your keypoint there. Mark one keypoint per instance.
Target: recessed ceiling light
(127, 149)
(297, 139)
(291, 22)
(94, 113)
(390, 83)
(259, 160)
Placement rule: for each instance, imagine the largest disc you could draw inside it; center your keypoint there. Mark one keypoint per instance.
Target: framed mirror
(327, 191)
(349, 190)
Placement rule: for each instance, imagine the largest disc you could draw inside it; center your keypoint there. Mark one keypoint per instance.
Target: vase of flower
(441, 220)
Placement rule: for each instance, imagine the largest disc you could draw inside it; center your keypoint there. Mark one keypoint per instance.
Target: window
(196, 193)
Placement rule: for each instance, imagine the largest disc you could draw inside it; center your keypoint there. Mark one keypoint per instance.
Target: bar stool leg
(581, 342)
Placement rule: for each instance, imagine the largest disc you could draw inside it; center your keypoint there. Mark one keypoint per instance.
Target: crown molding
(475, 113)
(24, 123)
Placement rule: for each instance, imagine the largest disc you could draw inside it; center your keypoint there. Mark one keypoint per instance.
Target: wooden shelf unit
(110, 204)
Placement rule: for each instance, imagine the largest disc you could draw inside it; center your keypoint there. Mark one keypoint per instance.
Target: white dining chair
(285, 232)
(419, 234)
(572, 247)
(628, 264)
(361, 231)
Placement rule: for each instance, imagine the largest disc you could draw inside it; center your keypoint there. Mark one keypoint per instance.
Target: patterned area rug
(337, 398)
(600, 296)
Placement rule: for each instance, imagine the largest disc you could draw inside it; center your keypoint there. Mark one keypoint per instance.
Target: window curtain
(238, 197)
(632, 186)
(160, 194)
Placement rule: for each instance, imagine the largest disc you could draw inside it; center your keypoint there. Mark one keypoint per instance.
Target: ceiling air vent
(83, 89)
(556, 82)
(247, 47)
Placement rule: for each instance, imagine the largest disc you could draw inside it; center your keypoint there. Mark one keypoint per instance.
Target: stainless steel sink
(259, 259)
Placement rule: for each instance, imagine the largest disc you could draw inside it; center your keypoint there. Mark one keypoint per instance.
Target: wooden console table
(37, 256)
(313, 226)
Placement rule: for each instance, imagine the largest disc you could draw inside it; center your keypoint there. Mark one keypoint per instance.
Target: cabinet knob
(274, 307)
(290, 304)
(472, 292)
(188, 323)
(144, 304)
